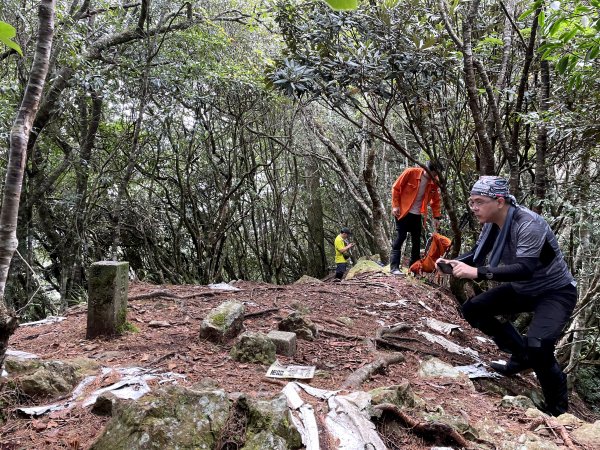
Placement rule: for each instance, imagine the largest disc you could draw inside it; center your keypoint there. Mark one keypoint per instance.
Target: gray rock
(105, 404)
(253, 347)
(520, 401)
(297, 323)
(588, 434)
(223, 322)
(272, 416)
(400, 395)
(171, 418)
(285, 342)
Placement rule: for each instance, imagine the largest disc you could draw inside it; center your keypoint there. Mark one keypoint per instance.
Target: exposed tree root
(154, 294)
(556, 428)
(357, 377)
(349, 337)
(437, 431)
(403, 347)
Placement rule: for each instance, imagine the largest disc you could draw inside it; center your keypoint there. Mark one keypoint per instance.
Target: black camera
(445, 267)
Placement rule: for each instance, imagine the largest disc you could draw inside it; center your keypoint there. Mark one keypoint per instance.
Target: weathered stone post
(107, 298)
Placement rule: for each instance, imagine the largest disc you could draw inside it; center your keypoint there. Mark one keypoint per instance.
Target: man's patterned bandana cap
(491, 186)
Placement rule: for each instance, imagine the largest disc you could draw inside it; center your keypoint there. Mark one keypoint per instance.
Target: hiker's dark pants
(551, 312)
(340, 270)
(411, 223)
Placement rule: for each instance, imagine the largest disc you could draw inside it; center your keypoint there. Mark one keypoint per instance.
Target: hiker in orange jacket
(412, 192)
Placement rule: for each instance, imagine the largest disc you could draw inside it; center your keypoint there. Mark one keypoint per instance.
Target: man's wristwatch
(484, 273)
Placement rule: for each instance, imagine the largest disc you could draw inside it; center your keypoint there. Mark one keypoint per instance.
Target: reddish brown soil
(367, 301)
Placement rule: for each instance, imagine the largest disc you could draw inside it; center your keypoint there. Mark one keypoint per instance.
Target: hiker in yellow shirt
(342, 253)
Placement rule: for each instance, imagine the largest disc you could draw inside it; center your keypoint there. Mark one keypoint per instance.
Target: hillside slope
(349, 316)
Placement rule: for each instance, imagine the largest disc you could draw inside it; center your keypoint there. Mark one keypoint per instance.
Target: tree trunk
(514, 139)
(317, 258)
(541, 147)
(486, 152)
(17, 157)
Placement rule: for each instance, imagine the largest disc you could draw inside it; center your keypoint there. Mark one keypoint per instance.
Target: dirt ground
(348, 315)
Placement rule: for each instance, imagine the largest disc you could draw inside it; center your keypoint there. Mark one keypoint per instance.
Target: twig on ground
(403, 347)
(154, 294)
(264, 312)
(555, 427)
(350, 337)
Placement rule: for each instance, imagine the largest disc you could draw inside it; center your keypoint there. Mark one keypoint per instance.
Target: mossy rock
(170, 418)
(254, 347)
(272, 416)
(364, 266)
(306, 279)
(302, 326)
(223, 322)
(400, 395)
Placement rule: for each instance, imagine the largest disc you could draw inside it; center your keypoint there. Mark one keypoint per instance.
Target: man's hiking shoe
(396, 271)
(512, 367)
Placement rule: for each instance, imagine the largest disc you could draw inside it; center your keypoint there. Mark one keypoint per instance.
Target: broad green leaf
(531, 10)
(592, 53)
(7, 32)
(556, 26)
(541, 19)
(562, 64)
(342, 5)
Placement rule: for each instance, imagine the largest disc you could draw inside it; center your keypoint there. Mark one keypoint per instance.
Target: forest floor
(363, 304)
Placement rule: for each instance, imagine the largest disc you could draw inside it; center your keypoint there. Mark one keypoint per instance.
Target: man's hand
(460, 269)
(396, 211)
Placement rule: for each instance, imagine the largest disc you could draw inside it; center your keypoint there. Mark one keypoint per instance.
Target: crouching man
(517, 246)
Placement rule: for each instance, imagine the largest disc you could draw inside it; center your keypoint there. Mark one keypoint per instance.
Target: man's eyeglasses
(476, 204)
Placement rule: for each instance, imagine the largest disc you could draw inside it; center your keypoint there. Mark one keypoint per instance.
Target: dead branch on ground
(349, 337)
(360, 375)
(264, 312)
(155, 294)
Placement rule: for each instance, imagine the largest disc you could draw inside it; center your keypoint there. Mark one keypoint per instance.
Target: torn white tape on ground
(48, 320)
(223, 287)
(132, 386)
(20, 354)
(438, 325)
(348, 421)
(303, 417)
(449, 345)
(476, 371)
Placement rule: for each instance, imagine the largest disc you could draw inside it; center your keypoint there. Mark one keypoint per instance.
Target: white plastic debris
(48, 320)
(348, 421)
(477, 371)
(278, 370)
(438, 325)
(20, 354)
(449, 345)
(133, 385)
(223, 287)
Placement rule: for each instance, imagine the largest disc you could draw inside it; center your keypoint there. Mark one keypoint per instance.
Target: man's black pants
(411, 223)
(551, 312)
(340, 270)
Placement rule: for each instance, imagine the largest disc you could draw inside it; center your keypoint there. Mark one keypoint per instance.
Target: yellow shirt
(339, 244)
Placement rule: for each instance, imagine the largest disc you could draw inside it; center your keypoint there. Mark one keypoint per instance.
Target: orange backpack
(437, 247)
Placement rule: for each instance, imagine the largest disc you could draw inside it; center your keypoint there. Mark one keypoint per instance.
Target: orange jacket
(406, 188)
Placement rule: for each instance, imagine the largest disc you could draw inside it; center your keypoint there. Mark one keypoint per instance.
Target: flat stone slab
(285, 342)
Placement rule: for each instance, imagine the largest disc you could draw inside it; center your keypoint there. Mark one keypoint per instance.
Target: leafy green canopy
(384, 51)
